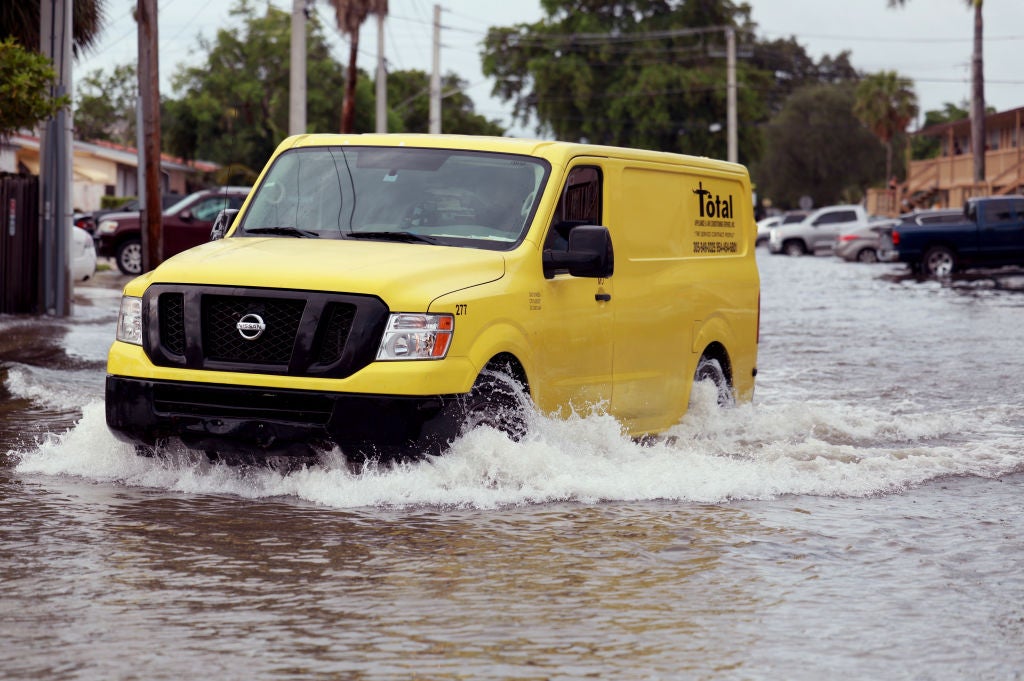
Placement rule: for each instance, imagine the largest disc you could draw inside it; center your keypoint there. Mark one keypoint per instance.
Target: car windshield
(420, 196)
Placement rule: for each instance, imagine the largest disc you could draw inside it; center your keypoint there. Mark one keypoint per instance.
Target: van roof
(554, 151)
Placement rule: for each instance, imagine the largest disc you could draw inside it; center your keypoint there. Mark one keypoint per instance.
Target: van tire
(129, 257)
(794, 247)
(938, 261)
(710, 369)
(497, 400)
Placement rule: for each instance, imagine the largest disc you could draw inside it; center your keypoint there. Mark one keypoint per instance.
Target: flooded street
(863, 518)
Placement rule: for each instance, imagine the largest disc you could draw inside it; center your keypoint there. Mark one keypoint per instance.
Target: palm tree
(351, 14)
(20, 19)
(977, 91)
(886, 104)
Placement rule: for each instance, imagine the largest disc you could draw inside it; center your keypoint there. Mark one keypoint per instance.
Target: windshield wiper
(407, 237)
(283, 231)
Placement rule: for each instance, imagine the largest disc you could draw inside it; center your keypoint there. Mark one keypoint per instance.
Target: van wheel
(794, 247)
(710, 369)
(129, 257)
(939, 261)
(499, 401)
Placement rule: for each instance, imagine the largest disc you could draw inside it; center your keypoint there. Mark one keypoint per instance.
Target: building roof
(1002, 119)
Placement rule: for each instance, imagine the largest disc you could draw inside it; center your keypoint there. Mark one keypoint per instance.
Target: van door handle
(603, 297)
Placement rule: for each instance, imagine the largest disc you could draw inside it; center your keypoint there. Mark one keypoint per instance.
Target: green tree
(816, 147)
(105, 106)
(233, 109)
(351, 14)
(408, 94)
(783, 66)
(26, 80)
(977, 88)
(886, 104)
(645, 73)
(20, 19)
(927, 146)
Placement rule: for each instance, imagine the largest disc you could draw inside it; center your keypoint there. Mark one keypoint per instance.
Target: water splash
(714, 455)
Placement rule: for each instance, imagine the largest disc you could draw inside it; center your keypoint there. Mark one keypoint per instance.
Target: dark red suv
(185, 224)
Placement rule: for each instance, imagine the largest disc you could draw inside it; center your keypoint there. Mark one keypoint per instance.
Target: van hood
(405, 276)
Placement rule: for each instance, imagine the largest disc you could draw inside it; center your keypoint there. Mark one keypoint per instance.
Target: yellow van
(384, 293)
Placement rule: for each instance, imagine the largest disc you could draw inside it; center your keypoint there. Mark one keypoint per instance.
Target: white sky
(928, 41)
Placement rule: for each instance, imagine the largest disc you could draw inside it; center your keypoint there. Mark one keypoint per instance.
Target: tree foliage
(886, 104)
(927, 146)
(648, 73)
(26, 80)
(817, 147)
(409, 97)
(233, 109)
(105, 106)
(20, 19)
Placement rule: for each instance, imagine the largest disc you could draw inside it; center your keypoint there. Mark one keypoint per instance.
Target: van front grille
(306, 333)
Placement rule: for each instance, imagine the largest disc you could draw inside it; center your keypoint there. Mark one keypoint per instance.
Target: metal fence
(19, 244)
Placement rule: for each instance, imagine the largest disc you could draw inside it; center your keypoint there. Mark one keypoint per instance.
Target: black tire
(794, 247)
(129, 257)
(497, 400)
(710, 369)
(938, 261)
(867, 255)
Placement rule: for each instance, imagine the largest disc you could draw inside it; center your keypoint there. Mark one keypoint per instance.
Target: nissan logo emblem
(251, 326)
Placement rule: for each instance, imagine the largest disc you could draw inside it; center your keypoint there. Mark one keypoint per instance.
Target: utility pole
(56, 165)
(730, 116)
(149, 93)
(382, 78)
(435, 77)
(297, 74)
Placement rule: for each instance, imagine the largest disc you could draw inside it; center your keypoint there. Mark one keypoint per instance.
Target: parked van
(384, 293)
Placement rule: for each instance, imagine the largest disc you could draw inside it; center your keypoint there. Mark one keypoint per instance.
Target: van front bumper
(271, 421)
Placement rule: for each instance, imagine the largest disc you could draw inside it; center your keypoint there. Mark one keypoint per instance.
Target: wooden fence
(19, 244)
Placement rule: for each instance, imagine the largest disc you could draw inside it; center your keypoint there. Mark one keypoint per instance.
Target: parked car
(989, 232)
(934, 216)
(764, 227)
(818, 231)
(83, 255)
(863, 244)
(89, 221)
(185, 224)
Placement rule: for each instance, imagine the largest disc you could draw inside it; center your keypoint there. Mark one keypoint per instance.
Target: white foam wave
(59, 389)
(750, 452)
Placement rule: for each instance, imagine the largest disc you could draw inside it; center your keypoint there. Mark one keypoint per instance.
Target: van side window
(580, 204)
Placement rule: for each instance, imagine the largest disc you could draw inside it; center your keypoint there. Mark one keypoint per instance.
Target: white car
(83, 255)
(818, 231)
(765, 226)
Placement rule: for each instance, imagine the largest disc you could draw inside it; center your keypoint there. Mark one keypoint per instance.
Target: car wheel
(709, 369)
(939, 261)
(497, 400)
(867, 255)
(793, 248)
(129, 257)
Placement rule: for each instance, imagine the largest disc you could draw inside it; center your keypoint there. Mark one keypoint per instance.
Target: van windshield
(440, 196)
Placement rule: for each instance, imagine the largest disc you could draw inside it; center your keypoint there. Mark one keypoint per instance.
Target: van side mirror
(589, 254)
(222, 223)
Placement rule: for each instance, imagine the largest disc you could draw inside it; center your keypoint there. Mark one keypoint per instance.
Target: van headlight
(129, 320)
(107, 227)
(416, 336)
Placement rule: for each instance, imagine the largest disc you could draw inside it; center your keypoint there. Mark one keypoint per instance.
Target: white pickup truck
(818, 231)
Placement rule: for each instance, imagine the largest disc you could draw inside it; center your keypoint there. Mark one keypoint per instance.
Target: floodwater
(862, 519)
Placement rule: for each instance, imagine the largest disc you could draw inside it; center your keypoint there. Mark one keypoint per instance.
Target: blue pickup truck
(990, 232)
